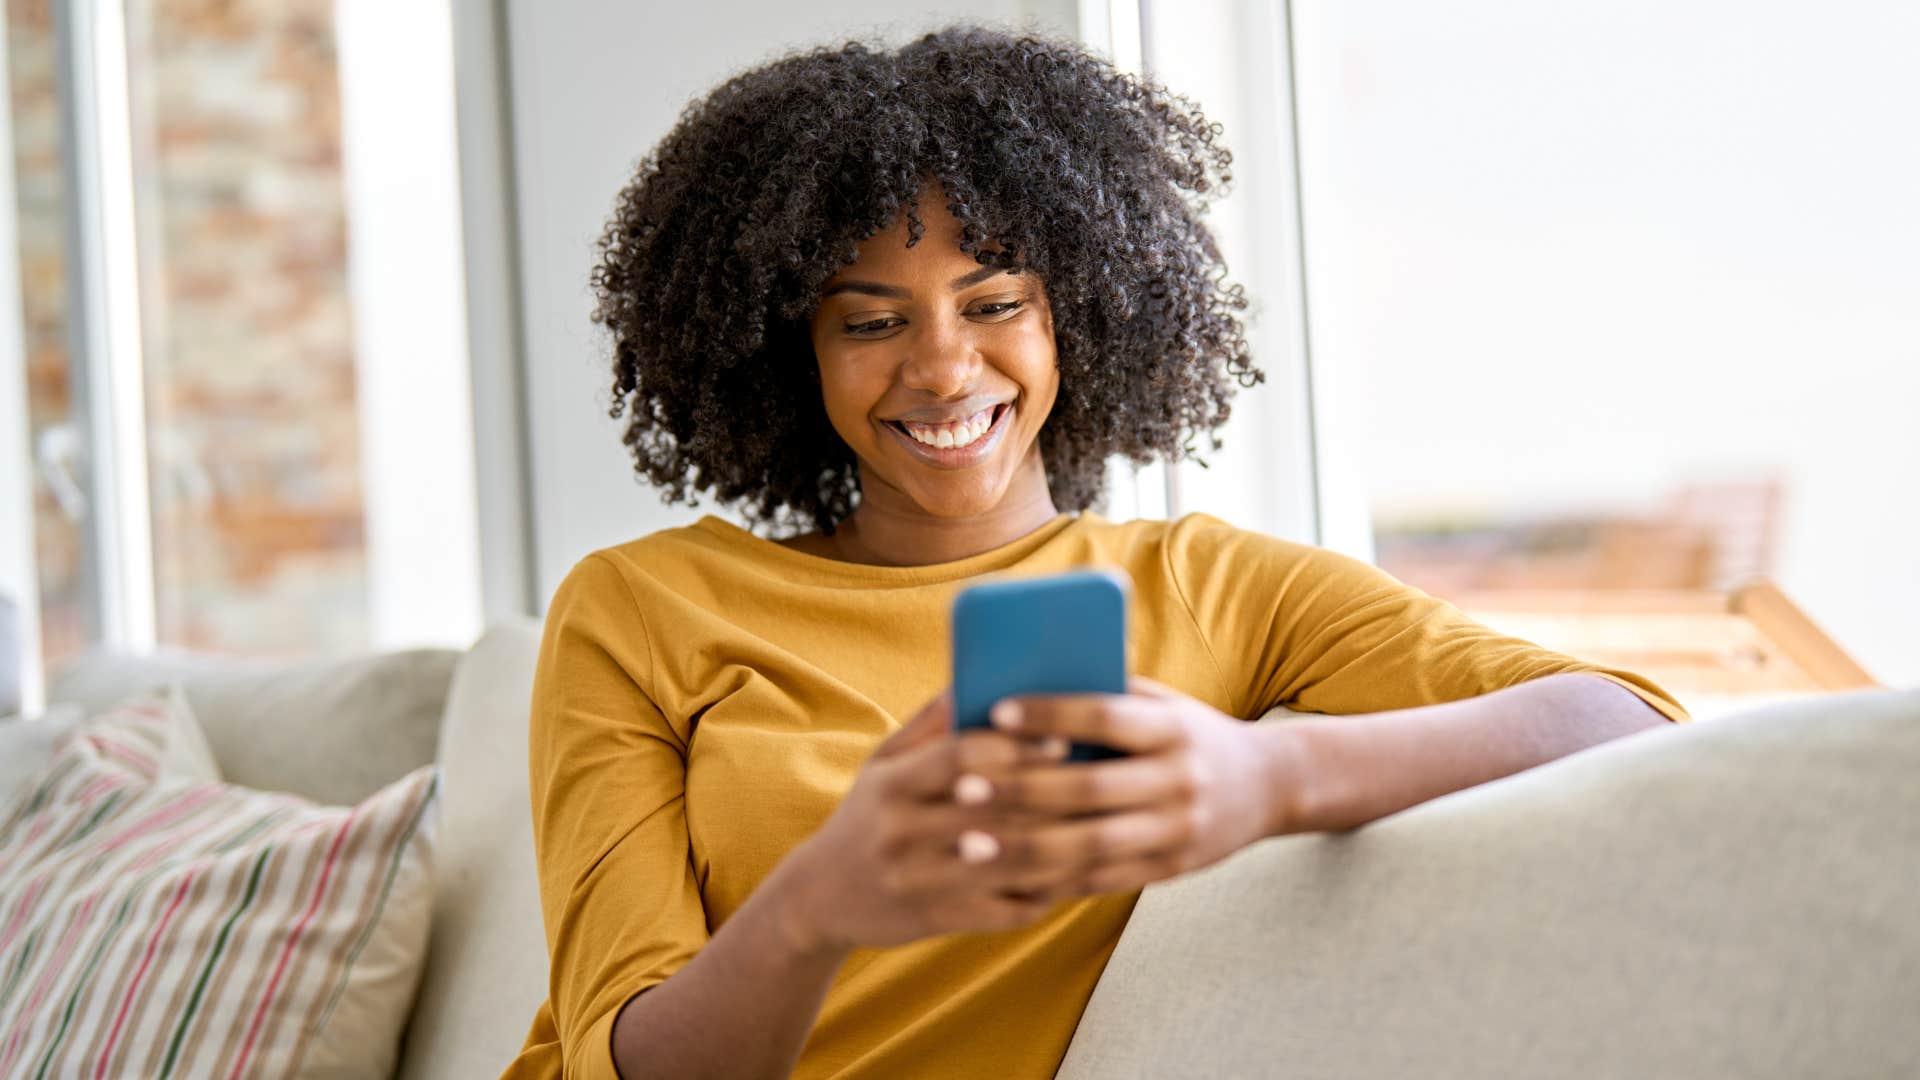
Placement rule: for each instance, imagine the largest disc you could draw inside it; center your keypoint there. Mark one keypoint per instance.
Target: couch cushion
(487, 961)
(334, 731)
(1734, 898)
(164, 923)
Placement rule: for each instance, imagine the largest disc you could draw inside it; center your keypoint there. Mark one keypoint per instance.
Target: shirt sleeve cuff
(1655, 698)
(591, 1058)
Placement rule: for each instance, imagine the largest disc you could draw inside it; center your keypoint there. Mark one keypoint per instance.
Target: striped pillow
(159, 924)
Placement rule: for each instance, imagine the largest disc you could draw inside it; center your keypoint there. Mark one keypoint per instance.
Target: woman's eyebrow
(975, 278)
(873, 288)
(895, 292)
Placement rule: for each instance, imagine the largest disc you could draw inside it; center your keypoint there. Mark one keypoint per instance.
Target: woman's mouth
(954, 445)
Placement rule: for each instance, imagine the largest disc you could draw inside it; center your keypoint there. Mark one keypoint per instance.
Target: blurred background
(1602, 321)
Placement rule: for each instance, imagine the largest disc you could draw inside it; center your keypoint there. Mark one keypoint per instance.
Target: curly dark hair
(1052, 161)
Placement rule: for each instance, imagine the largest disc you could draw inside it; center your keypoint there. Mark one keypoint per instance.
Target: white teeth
(948, 436)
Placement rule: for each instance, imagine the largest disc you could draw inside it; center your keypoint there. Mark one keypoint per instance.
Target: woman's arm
(744, 1005)
(1198, 785)
(885, 869)
(1329, 773)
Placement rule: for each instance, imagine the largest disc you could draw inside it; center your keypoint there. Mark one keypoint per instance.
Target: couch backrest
(335, 731)
(486, 971)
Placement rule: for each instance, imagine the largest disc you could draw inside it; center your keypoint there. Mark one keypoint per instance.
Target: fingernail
(971, 790)
(1053, 746)
(1006, 714)
(977, 847)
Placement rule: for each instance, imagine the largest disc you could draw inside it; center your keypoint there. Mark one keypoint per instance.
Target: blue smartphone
(1065, 634)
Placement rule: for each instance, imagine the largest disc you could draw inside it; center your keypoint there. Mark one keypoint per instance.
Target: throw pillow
(155, 923)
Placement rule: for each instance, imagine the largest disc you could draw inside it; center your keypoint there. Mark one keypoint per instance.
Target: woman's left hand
(1197, 785)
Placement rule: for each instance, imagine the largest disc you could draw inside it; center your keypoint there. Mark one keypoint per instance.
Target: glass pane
(1626, 296)
(56, 418)
(253, 435)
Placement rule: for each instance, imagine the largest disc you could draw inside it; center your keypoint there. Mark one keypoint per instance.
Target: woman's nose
(942, 359)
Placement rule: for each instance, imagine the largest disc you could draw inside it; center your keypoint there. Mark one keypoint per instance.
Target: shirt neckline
(994, 559)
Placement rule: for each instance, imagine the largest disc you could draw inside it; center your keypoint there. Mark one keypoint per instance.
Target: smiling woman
(902, 306)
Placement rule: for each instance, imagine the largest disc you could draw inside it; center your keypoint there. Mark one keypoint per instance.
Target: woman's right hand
(901, 858)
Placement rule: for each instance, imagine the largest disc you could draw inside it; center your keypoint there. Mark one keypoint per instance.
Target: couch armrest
(1734, 898)
(486, 968)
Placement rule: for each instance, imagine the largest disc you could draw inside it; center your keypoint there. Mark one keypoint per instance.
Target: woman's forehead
(888, 252)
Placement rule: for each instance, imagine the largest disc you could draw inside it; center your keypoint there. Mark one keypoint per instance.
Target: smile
(954, 445)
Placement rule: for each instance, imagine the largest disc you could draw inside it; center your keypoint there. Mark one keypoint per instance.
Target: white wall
(594, 84)
(1573, 254)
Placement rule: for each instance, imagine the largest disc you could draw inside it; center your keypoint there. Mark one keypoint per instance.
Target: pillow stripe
(192, 1010)
(75, 924)
(371, 911)
(19, 969)
(48, 823)
(85, 982)
(81, 860)
(22, 908)
(293, 939)
(146, 961)
(161, 975)
(27, 807)
(114, 748)
(114, 858)
(274, 910)
(39, 823)
(248, 831)
(289, 876)
(380, 903)
(217, 971)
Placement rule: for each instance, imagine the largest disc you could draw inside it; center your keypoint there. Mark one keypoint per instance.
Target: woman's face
(938, 372)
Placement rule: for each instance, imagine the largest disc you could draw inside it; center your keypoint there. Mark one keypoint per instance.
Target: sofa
(1734, 897)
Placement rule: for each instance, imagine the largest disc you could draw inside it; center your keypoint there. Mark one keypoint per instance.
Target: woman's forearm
(744, 1005)
(1332, 773)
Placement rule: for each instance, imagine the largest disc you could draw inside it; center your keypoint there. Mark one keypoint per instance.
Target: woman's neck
(881, 531)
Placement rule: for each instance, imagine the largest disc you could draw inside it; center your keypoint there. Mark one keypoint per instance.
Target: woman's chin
(957, 501)
(959, 510)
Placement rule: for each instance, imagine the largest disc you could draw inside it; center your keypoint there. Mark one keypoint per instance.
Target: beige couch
(1733, 898)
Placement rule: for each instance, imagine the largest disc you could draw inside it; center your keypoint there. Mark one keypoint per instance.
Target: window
(244, 357)
(1622, 297)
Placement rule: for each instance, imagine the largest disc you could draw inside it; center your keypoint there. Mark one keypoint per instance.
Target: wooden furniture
(1713, 650)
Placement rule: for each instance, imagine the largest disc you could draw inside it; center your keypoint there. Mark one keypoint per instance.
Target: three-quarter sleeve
(1318, 631)
(618, 894)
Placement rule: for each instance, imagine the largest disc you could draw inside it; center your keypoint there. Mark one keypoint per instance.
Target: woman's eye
(876, 327)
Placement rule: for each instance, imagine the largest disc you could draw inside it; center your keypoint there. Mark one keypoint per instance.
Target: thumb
(934, 719)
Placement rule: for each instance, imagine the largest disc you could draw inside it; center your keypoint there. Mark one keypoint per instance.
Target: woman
(910, 302)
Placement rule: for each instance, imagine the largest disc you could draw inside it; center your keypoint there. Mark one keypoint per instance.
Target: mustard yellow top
(704, 698)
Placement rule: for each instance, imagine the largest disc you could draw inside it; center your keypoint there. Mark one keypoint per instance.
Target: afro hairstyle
(1052, 161)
